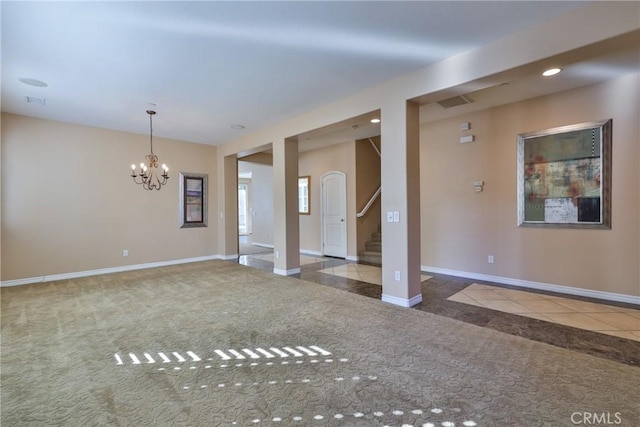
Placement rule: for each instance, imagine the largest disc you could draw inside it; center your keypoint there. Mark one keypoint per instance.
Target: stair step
(376, 237)
(371, 257)
(373, 246)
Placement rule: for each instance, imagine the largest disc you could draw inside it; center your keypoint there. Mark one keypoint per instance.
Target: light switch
(389, 216)
(396, 216)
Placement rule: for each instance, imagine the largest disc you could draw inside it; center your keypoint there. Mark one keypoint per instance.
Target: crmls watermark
(596, 418)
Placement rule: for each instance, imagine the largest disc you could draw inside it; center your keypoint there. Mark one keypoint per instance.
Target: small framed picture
(193, 200)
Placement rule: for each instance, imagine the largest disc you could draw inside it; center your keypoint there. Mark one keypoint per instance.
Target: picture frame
(564, 176)
(193, 200)
(304, 195)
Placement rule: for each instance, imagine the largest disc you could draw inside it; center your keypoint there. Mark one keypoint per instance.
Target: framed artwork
(193, 200)
(304, 207)
(564, 176)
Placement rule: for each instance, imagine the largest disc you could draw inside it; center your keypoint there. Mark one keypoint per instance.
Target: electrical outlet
(490, 259)
(397, 275)
(125, 252)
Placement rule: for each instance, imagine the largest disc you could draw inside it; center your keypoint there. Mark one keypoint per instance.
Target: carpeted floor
(216, 343)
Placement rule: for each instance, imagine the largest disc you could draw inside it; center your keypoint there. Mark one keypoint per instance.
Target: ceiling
(208, 66)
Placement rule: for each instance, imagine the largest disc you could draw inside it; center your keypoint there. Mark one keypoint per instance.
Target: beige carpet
(189, 345)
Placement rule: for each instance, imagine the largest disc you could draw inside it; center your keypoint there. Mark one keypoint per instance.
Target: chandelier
(149, 176)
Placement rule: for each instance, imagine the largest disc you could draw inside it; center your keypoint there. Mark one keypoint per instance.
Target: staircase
(373, 249)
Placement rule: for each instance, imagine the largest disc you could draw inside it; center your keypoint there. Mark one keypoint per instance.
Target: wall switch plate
(396, 216)
(397, 275)
(389, 216)
(277, 254)
(490, 259)
(125, 252)
(465, 126)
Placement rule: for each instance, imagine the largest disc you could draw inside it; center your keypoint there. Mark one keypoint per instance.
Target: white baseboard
(263, 245)
(310, 252)
(353, 258)
(402, 302)
(228, 257)
(609, 296)
(64, 276)
(281, 272)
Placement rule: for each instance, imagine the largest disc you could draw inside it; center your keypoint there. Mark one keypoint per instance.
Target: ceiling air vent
(454, 101)
(34, 100)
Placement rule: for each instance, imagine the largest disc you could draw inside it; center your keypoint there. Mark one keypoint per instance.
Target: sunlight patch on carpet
(299, 351)
(424, 418)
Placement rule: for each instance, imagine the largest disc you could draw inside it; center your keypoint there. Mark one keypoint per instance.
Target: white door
(334, 214)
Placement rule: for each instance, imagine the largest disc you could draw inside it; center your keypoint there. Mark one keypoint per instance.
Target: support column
(400, 168)
(286, 235)
(228, 207)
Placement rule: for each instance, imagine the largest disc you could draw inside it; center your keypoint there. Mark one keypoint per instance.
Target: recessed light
(32, 82)
(237, 127)
(551, 72)
(376, 120)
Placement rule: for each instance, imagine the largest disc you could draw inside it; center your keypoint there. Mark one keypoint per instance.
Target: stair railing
(373, 198)
(375, 147)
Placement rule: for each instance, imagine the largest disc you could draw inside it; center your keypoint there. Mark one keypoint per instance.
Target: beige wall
(460, 228)
(69, 204)
(316, 163)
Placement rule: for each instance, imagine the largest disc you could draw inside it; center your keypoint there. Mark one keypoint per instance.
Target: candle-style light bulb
(133, 167)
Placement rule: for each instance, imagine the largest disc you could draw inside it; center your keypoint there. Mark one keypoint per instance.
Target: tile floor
(590, 316)
(361, 272)
(304, 259)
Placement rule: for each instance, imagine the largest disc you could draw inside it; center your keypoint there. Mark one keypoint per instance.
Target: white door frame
(322, 210)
